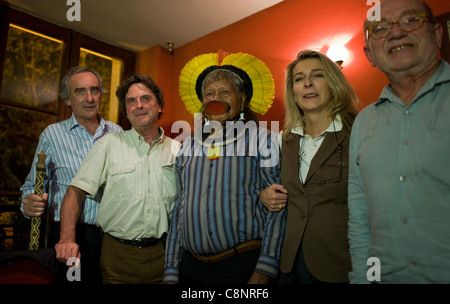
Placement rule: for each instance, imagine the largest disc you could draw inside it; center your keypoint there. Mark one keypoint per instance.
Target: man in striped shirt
(65, 145)
(221, 232)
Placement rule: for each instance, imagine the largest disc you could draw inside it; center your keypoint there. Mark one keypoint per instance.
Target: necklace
(214, 147)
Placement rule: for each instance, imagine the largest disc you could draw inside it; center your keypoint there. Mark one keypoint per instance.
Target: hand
(34, 205)
(258, 278)
(274, 197)
(66, 250)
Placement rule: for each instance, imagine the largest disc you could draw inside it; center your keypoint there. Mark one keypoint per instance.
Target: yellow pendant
(213, 152)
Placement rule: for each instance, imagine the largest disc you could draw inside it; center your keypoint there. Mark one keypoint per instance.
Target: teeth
(399, 48)
(311, 95)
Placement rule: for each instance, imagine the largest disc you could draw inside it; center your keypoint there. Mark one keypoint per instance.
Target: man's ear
(439, 31)
(67, 102)
(369, 55)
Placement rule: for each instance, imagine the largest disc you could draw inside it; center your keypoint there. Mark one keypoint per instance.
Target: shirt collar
(441, 75)
(336, 127)
(141, 139)
(73, 123)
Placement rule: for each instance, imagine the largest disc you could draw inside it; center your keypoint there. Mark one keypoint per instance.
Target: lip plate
(216, 107)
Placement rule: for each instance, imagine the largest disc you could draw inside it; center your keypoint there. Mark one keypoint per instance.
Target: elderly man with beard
(221, 233)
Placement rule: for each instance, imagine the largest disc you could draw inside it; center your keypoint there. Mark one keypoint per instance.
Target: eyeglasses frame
(423, 18)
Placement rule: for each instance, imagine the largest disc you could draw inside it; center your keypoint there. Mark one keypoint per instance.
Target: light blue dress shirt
(399, 186)
(66, 144)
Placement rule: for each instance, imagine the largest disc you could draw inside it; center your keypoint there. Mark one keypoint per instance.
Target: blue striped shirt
(66, 144)
(218, 207)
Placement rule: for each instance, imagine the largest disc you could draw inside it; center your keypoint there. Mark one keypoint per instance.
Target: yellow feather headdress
(254, 72)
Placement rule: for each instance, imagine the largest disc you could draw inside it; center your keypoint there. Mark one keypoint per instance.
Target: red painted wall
(157, 63)
(275, 36)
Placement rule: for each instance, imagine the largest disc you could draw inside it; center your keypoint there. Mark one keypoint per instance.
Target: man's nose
(90, 96)
(139, 102)
(396, 31)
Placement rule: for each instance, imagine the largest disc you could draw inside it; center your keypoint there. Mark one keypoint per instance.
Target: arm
(274, 197)
(173, 247)
(89, 178)
(269, 259)
(70, 212)
(173, 251)
(358, 226)
(33, 205)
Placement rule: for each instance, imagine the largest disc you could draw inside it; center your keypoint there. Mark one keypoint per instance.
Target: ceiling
(140, 24)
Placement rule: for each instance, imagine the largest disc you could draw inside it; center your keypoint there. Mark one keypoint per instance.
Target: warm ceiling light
(338, 53)
(170, 47)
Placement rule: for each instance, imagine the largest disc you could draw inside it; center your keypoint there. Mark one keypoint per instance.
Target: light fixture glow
(170, 47)
(338, 53)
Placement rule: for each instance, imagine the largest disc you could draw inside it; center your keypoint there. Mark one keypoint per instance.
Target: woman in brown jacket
(320, 110)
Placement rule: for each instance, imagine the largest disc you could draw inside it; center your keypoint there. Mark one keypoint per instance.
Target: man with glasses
(399, 171)
(65, 145)
(136, 171)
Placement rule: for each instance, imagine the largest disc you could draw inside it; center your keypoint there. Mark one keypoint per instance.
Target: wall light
(338, 53)
(170, 47)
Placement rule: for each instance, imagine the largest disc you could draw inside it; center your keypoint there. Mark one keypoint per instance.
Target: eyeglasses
(408, 23)
(81, 92)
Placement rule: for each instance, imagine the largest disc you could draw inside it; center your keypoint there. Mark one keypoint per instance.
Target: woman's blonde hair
(342, 96)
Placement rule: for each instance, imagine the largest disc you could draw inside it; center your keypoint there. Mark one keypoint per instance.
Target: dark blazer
(317, 211)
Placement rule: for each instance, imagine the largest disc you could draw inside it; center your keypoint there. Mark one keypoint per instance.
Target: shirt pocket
(331, 172)
(122, 180)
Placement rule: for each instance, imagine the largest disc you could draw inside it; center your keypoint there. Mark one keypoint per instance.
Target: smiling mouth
(140, 113)
(310, 95)
(399, 48)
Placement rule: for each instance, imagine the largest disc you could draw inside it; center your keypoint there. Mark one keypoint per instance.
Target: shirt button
(402, 178)
(304, 218)
(405, 142)
(407, 112)
(404, 220)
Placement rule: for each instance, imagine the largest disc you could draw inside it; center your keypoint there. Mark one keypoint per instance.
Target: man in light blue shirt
(65, 145)
(399, 171)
